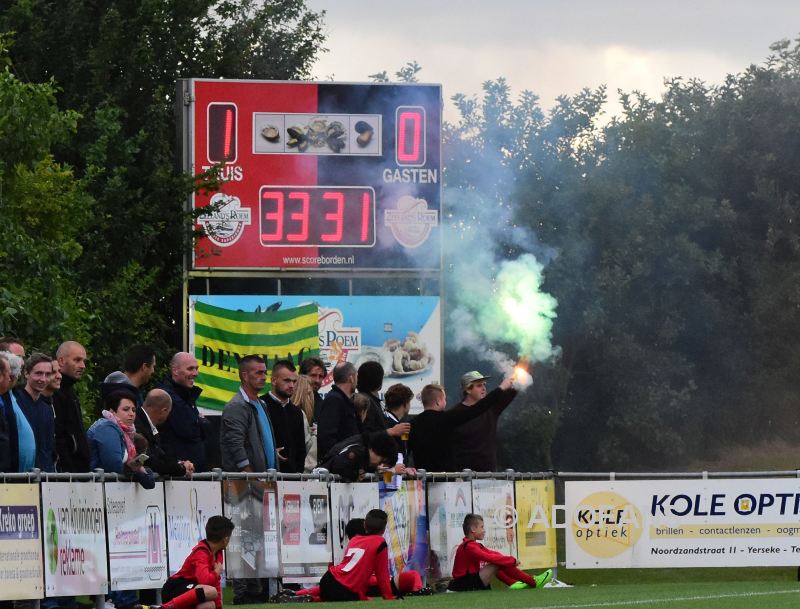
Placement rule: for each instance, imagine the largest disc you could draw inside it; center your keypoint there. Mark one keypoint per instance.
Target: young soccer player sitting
(197, 583)
(405, 583)
(364, 556)
(468, 574)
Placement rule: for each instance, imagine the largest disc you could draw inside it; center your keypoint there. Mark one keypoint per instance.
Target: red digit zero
(410, 135)
(222, 131)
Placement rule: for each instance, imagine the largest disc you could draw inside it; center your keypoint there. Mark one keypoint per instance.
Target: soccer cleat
(518, 586)
(543, 578)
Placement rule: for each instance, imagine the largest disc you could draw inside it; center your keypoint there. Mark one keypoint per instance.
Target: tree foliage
(674, 227)
(111, 217)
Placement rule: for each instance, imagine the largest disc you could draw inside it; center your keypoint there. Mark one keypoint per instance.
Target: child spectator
(197, 582)
(468, 574)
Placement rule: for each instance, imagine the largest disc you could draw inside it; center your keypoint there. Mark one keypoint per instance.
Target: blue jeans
(124, 598)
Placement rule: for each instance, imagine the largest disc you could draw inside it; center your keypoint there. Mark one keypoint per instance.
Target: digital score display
(318, 216)
(315, 175)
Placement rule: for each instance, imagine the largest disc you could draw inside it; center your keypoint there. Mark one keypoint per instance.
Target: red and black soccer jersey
(364, 556)
(199, 567)
(472, 555)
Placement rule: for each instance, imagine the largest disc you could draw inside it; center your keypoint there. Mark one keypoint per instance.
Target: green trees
(44, 209)
(115, 65)
(674, 243)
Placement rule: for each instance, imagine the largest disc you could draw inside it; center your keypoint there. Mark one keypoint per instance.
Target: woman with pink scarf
(111, 439)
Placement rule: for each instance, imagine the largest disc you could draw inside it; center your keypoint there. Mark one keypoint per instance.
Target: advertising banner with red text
(137, 540)
(304, 523)
(75, 539)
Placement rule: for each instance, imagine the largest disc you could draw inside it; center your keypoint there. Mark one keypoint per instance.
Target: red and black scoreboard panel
(317, 175)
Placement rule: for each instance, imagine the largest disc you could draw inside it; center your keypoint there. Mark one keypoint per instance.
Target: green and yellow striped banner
(222, 337)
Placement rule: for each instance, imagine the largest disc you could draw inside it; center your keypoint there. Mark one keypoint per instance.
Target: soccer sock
(511, 572)
(506, 579)
(187, 600)
(308, 591)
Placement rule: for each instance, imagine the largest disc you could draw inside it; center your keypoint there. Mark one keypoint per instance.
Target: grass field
(732, 588)
(729, 595)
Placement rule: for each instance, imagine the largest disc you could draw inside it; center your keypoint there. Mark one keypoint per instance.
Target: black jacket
(71, 444)
(402, 445)
(432, 431)
(475, 442)
(9, 440)
(287, 423)
(348, 458)
(183, 433)
(159, 462)
(375, 419)
(336, 420)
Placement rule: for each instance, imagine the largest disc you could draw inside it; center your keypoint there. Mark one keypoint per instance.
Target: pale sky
(551, 48)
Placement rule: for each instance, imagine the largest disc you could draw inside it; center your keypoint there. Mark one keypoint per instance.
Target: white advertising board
(448, 505)
(683, 523)
(75, 539)
(253, 549)
(494, 500)
(137, 545)
(349, 501)
(189, 506)
(304, 518)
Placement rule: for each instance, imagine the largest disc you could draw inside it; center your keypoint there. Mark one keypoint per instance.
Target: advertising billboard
(75, 538)
(403, 333)
(137, 544)
(682, 523)
(316, 175)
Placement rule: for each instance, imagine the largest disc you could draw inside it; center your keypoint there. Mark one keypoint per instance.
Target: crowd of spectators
(291, 428)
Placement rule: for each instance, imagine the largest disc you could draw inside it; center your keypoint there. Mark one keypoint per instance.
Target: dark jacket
(159, 462)
(402, 445)
(431, 439)
(287, 424)
(107, 388)
(375, 419)
(475, 442)
(183, 433)
(336, 420)
(348, 458)
(9, 440)
(42, 419)
(72, 447)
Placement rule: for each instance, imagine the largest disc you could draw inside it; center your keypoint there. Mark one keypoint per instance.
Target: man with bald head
(72, 447)
(154, 412)
(183, 431)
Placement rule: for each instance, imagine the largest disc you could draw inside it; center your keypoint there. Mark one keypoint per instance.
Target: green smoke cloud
(508, 309)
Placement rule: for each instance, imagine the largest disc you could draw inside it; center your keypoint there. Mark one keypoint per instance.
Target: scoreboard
(320, 176)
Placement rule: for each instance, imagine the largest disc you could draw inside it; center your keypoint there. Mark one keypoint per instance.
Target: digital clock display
(320, 216)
